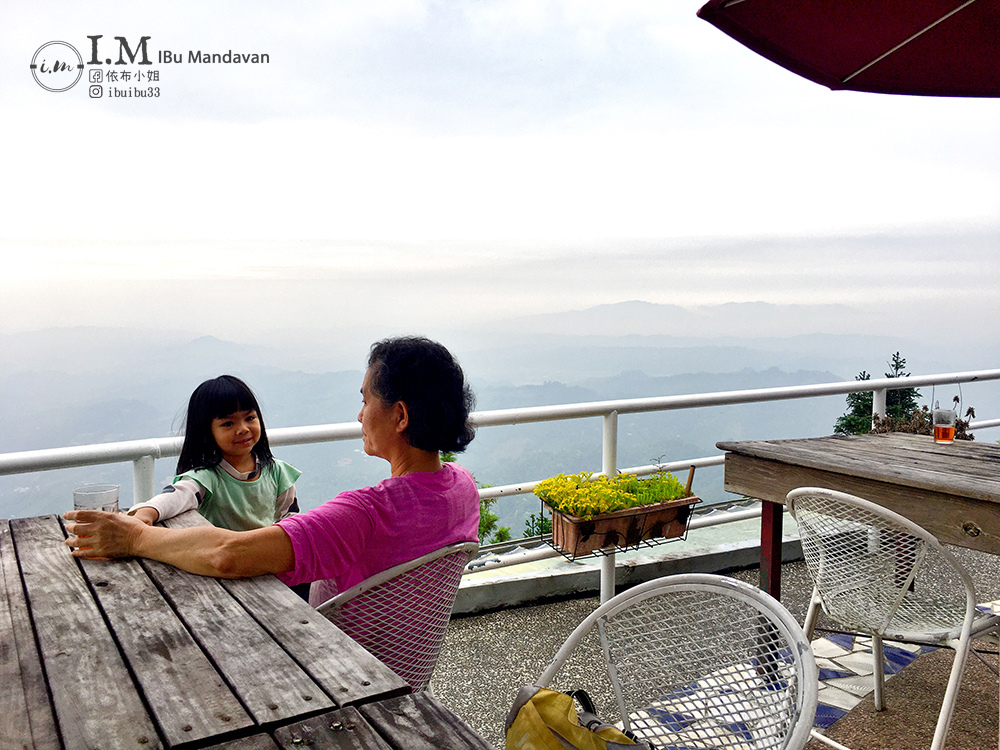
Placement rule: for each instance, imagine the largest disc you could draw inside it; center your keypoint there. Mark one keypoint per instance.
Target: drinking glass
(944, 425)
(96, 497)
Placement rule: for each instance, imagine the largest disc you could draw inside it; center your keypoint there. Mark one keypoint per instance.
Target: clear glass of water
(96, 497)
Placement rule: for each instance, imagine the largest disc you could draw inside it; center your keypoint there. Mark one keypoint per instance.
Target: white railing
(143, 453)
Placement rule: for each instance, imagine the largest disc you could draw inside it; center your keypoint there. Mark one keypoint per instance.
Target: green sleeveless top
(242, 506)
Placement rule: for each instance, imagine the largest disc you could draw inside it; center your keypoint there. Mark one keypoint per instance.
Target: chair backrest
(400, 615)
(703, 660)
(869, 565)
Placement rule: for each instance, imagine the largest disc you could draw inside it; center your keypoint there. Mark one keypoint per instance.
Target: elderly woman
(415, 404)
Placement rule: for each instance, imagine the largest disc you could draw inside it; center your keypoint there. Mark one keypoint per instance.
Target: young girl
(226, 470)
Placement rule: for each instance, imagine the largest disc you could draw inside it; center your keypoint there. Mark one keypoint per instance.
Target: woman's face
(379, 421)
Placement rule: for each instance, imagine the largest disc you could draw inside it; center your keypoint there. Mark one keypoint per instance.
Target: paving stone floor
(487, 657)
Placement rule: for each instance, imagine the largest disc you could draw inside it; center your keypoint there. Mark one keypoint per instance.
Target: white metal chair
(880, 574)
(699, 661)
(400, 615)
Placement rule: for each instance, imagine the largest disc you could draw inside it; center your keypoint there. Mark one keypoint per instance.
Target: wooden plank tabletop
(408, 722)
(950, 490)
(26, 719)
(345, 729)
(418, 722)
(330, 657)
(265, 679)
(167, 662)
(94, 700)
(138, 654)
(966, 468)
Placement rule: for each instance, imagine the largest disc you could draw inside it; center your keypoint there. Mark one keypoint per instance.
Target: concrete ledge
(512, 589)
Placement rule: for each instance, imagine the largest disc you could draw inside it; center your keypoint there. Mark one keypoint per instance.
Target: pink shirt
(363, 532)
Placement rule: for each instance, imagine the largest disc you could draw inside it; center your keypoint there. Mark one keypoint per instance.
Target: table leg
(770, 548)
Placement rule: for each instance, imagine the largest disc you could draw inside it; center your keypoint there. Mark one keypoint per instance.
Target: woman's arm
(205, 550)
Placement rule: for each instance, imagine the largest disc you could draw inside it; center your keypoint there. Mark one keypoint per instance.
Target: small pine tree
(490, 530)
(857, 420)
(902, 401)
(899, 403)
(537, 524)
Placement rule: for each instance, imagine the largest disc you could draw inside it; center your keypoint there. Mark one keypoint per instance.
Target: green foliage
(537, 524)
(490, 530)
(858, 418)
(899, 403)
(902, 400)
(919, 422)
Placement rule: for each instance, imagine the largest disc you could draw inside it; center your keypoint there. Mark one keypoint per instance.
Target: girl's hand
(147, 514)
(100, 536)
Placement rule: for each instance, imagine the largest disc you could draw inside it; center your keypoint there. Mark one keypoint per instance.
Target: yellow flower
(585, 497)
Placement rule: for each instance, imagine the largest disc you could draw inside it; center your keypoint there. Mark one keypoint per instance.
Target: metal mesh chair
(880, 574)
(703, 661)
(400, 615)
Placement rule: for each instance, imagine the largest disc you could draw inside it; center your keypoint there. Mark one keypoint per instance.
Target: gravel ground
(487, 657)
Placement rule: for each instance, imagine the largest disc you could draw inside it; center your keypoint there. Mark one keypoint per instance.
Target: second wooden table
(953, 491)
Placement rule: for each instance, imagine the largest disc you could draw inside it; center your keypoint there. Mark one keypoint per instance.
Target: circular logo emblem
(57, 66)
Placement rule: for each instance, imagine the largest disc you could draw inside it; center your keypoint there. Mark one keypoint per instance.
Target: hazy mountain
(737, 320)
(72, 386)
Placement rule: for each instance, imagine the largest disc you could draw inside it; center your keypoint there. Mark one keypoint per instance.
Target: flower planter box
(620, 529)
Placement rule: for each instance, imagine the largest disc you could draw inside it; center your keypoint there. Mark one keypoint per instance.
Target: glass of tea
(944, 425)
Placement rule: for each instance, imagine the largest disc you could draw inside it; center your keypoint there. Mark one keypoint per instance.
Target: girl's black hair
(425, 376)
(214, 399)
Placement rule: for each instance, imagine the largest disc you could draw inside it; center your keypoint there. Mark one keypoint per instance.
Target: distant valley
(70, 386)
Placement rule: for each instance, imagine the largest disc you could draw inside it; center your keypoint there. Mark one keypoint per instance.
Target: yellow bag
(543, 719)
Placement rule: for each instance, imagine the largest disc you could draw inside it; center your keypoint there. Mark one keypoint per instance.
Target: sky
(405, 164)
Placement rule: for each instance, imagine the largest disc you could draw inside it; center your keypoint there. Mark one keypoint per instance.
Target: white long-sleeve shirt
(186, 494)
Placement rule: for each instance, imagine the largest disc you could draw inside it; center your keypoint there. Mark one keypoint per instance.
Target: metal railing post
(878, 403)
(609, 466)
(609, 455)
(143, 478)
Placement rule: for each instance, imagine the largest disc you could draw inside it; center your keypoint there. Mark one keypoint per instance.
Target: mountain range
(73, 386)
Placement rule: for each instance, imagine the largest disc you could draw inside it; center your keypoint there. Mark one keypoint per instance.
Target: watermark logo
(57, 66)
(124, 50)
(122, 68)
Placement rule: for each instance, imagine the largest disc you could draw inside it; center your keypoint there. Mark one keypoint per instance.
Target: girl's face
(236, 434)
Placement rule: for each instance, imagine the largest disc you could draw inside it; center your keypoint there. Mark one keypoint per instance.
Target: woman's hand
(205, 550)
(100, 536)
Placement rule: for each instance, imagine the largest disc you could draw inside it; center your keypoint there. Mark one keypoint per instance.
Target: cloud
(507, 154)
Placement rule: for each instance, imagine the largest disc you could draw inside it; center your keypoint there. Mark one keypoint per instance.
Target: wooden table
(137, 654)
(953, 491)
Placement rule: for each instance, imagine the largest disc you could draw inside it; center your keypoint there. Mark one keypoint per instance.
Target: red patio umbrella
(921, 47)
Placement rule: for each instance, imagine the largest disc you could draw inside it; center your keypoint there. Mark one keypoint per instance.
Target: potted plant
(595, 513)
